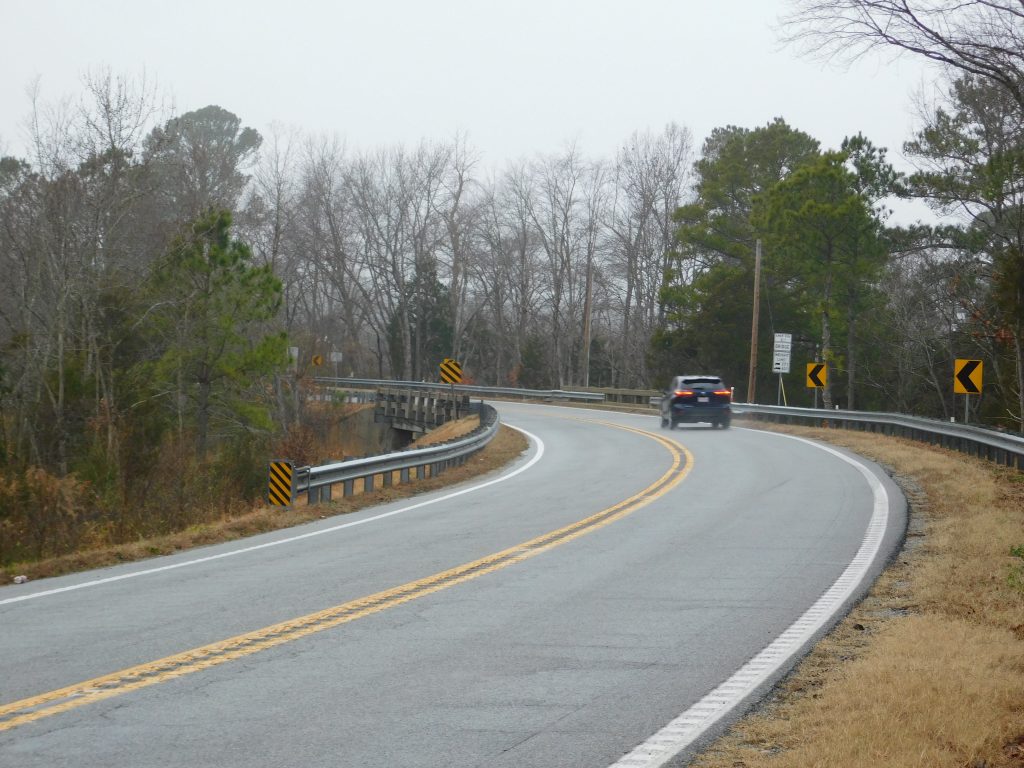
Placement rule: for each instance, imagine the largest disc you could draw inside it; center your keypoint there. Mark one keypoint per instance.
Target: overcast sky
(517, 77)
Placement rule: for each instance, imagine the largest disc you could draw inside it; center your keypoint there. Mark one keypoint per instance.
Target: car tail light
(684, 392)
(724, 392)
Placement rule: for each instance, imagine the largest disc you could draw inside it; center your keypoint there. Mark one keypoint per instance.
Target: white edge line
(277, 542)
(684, 730)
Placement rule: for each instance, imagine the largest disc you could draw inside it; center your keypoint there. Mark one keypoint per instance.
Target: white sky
(519, 77)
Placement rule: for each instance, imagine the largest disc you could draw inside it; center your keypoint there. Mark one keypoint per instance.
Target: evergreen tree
(707, 293)
(972, 151)
(210, 313)
(823, 240)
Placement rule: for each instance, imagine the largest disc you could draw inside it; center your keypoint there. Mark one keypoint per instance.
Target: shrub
(1016, 577)
(41, 514)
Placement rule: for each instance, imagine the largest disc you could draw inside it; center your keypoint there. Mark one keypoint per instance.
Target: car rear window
(702, 380)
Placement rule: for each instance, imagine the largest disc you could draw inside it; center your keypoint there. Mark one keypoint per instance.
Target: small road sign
(967, 377)
(783, 347)
(451, 371)
(280, 489)
(817, 375)
(318, 360)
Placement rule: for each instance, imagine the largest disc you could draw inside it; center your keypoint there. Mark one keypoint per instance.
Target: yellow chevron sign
(280, 490)
(817, 375)
(967, 377)
(451, 371)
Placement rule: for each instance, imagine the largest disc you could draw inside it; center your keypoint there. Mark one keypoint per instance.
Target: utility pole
(586, 321)
(752, 378)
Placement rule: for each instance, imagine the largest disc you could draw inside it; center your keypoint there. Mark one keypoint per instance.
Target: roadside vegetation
(70, 549)
(928, 671)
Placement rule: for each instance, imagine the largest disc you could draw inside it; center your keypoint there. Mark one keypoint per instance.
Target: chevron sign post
(967, 382)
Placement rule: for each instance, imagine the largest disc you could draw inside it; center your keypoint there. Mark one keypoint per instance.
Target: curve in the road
(684, 730)
(55, 702)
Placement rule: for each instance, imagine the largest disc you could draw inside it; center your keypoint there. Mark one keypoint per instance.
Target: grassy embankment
(929, 669)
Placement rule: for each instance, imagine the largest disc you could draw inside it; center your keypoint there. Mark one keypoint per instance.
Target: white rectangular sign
(783, 347)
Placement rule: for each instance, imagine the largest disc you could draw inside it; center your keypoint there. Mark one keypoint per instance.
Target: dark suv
(690, 399)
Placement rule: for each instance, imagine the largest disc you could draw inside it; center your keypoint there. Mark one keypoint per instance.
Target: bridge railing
(470, 389)
(419, 410)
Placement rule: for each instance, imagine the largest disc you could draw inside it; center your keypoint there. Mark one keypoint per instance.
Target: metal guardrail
(1003, 448)
(999, 447)
(471, 389)
(317, 482)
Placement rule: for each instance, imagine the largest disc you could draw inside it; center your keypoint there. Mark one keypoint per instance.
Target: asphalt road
(568, 650)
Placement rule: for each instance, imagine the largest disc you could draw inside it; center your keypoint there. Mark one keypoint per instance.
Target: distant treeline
(157, 267)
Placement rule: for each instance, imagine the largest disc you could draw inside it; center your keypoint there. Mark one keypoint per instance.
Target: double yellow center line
(171, 667)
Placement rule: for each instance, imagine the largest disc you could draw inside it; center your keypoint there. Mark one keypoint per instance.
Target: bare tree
(979, 37)
(563, 201)
(650, 180)
(457, 208)
(506, 269)
(75, 251)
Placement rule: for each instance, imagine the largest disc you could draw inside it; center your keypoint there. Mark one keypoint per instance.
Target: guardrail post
(348, 488)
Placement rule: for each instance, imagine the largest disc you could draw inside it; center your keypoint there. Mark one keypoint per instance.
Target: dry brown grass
(261, 518)
(449, 431)
(929, 669)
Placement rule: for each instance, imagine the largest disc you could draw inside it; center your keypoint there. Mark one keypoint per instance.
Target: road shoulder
(926, 669)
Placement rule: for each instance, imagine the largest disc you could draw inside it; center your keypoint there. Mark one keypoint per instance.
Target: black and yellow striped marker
(280, 488)
(451, 371)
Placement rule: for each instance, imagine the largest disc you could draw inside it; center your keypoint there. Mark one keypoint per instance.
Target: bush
(1016, 577)
(41, 514)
